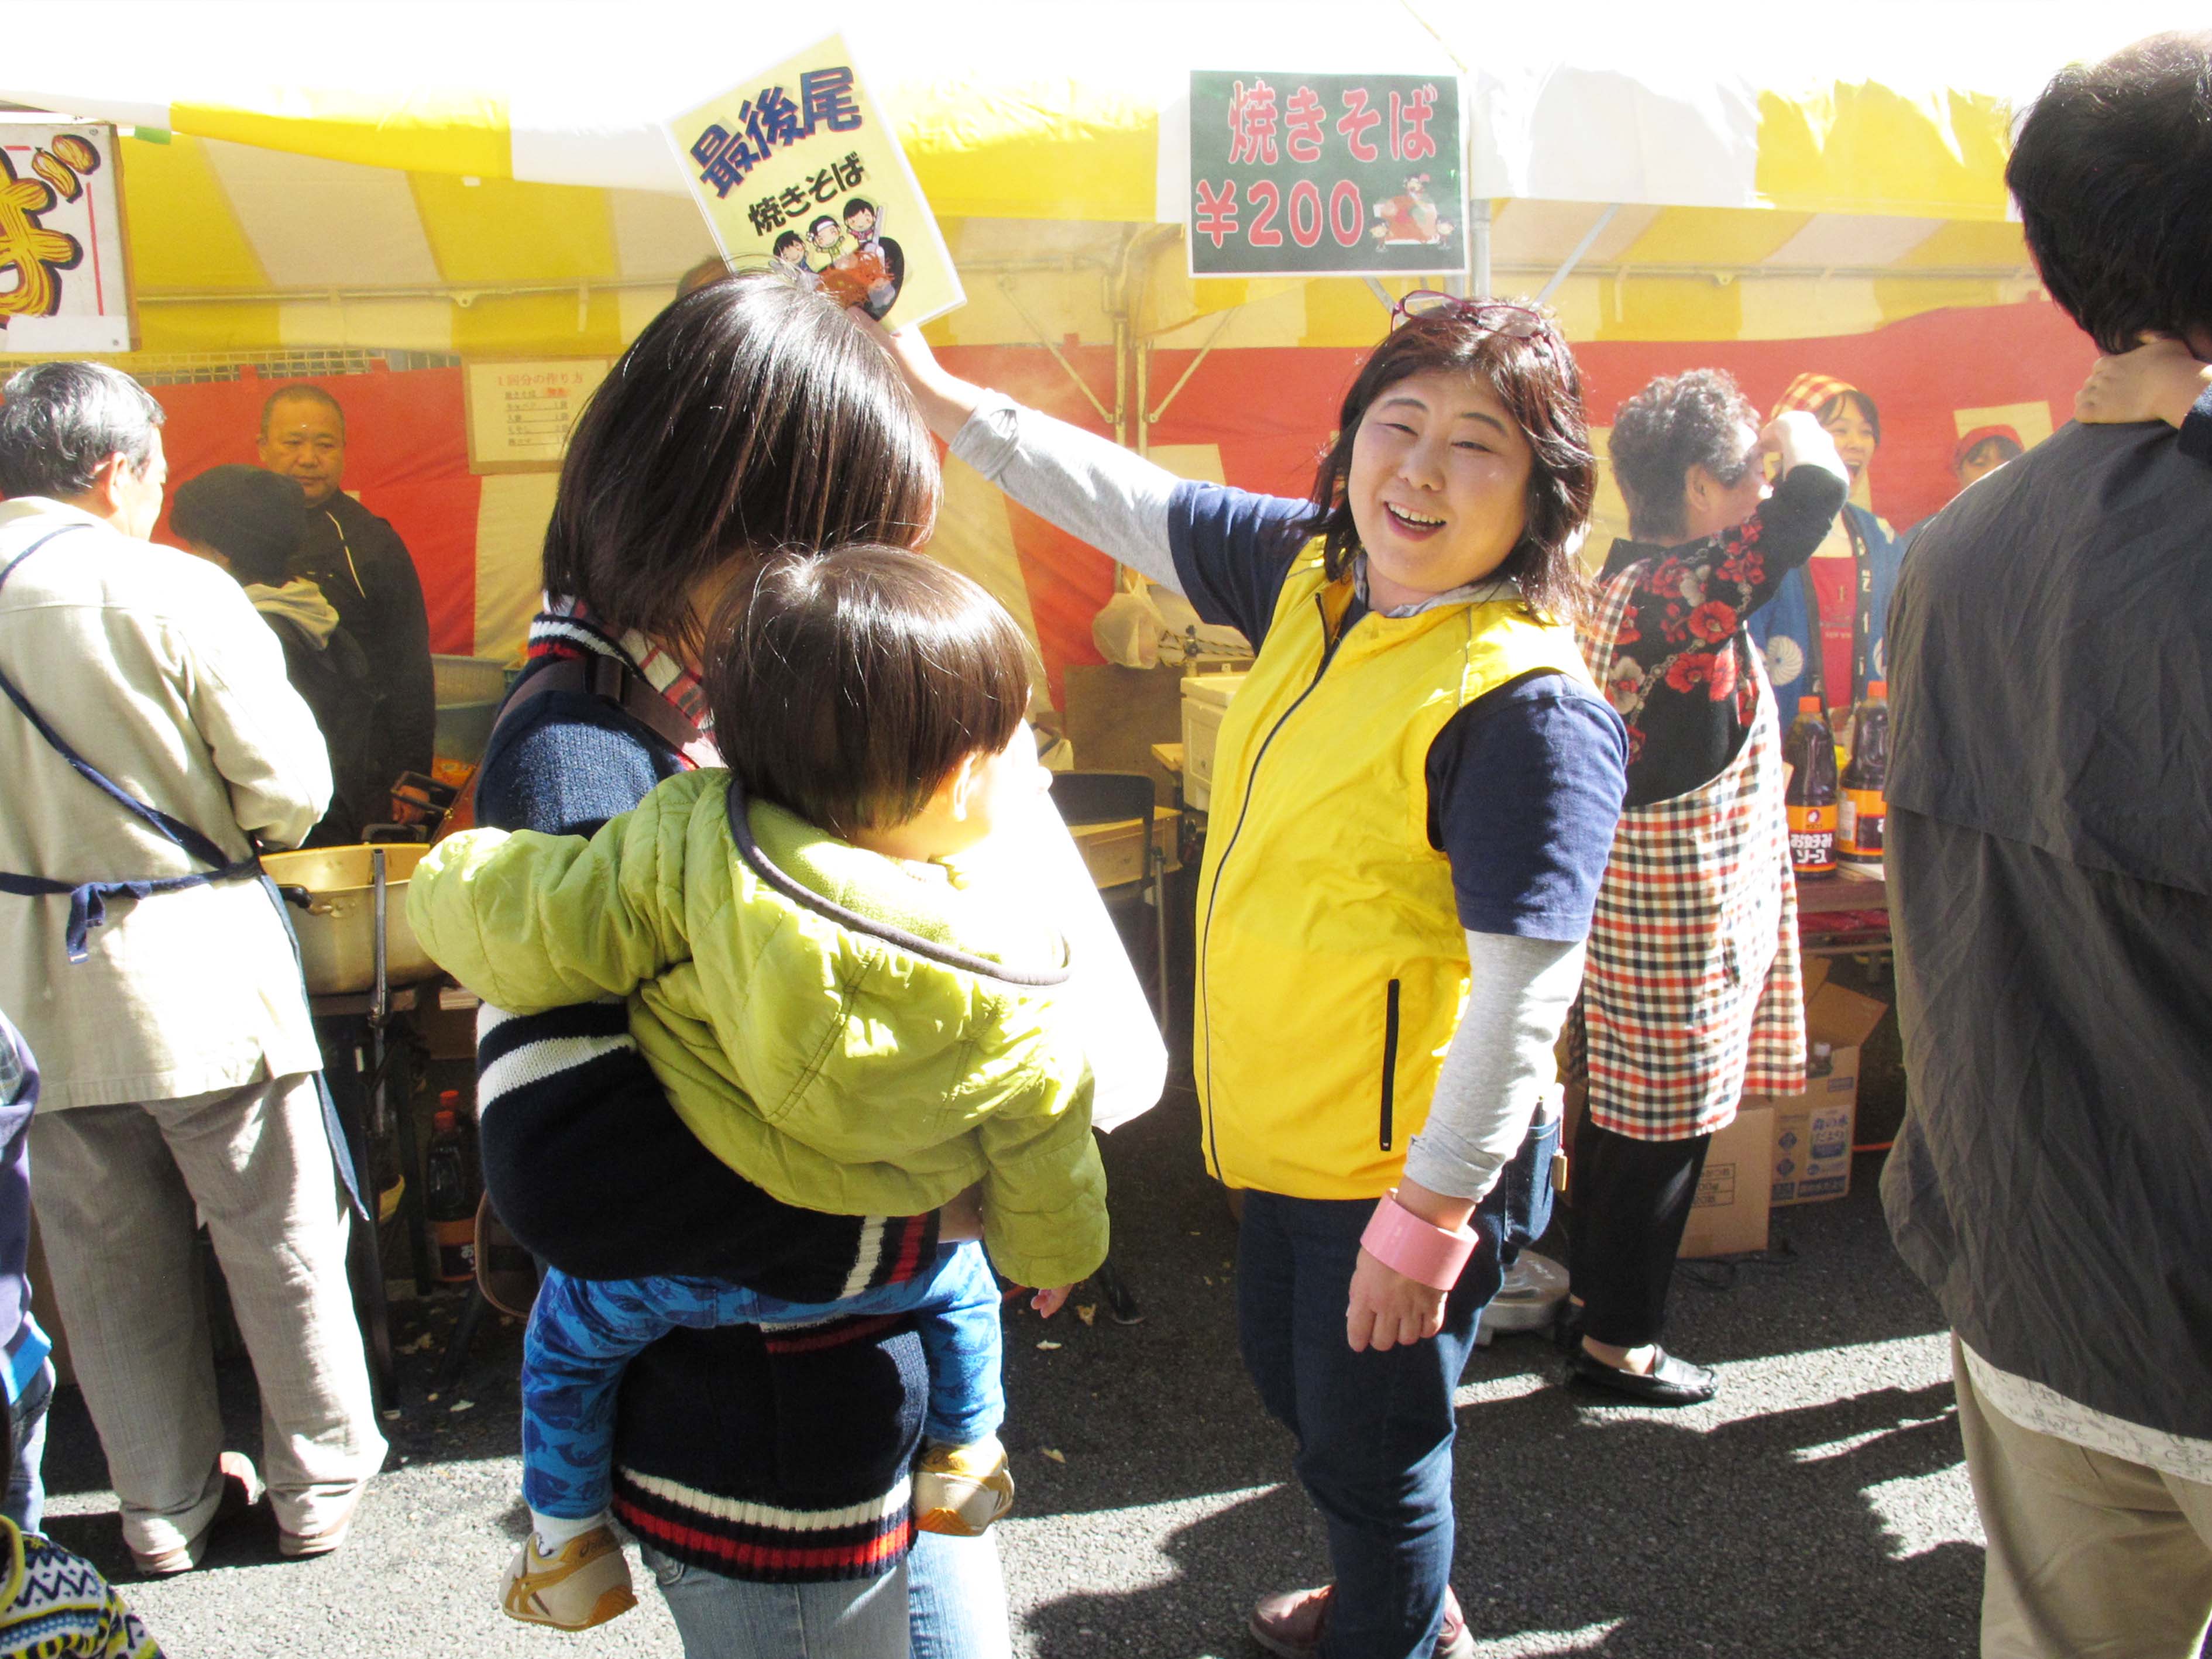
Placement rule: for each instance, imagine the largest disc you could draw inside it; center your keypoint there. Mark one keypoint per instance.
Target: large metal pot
(337, 927)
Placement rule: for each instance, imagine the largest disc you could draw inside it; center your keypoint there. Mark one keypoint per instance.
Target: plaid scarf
(566, 628)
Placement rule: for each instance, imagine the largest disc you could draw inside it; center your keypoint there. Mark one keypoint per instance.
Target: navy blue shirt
(1525, 783)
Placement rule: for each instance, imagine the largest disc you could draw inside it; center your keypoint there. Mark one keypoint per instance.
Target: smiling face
(1438, 487)
(1846, 422)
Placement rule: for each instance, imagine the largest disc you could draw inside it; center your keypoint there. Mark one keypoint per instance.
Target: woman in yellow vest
(1414, 799)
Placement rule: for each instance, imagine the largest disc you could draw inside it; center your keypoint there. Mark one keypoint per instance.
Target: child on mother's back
(840, 1004)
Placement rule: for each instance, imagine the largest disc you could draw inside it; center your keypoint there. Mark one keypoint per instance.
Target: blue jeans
(26, 1500)
(947, 1598)
(1374, 1429)
(583, 1331)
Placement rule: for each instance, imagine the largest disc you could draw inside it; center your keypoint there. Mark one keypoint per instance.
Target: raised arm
(1094, 489)
(1743, 567)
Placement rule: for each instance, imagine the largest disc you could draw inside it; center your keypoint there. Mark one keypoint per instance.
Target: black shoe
(1670, 1381)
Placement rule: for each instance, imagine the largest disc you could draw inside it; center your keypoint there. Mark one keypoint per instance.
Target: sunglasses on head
(1491, 316)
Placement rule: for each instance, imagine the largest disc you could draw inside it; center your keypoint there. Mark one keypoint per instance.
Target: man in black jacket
(363, 569)
(251, 522)
(2050, 888)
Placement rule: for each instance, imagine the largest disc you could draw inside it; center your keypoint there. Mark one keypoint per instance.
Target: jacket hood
(299, 602)
(954, 923)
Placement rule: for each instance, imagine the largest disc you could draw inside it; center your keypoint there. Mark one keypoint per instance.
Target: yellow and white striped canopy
(491, 179)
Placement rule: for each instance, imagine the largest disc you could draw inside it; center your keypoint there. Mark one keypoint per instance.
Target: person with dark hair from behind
(839, 878)
(747, 416)
(153, 976)
(1691, 996)
(2050, 893)
(250, 522)
(366, 573)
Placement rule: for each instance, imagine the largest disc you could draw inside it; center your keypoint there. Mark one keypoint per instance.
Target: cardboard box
(1813, 1131)
(1114, 853)
(1728, 1216)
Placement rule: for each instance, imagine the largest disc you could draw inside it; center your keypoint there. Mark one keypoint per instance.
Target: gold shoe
(585, 1583)
(961, 1490)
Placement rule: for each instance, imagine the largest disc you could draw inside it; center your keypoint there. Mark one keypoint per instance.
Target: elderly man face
(306, 442)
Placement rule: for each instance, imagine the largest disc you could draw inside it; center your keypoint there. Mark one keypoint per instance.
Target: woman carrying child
(1415, 798)
(749, 416)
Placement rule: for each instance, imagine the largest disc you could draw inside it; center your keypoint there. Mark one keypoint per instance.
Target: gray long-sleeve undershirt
(1498, 1073)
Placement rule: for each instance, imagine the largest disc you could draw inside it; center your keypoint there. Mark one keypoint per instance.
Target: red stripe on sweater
(909, 1256)
(874, 1555)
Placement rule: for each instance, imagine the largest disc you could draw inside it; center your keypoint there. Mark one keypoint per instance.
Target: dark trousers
(1627, 1203)
(1374, 1429)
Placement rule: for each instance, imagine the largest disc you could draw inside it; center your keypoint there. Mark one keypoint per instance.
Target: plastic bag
(1128, 1058)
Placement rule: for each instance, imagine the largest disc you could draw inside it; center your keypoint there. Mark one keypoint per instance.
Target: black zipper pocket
(1389, 1062)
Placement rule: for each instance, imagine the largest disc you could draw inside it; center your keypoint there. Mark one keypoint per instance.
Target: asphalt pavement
(1819, 1506)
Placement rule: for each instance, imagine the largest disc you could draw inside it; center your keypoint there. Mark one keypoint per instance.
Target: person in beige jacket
(180, 1062)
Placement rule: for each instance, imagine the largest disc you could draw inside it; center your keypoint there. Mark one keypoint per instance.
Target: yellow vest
(1332, 968)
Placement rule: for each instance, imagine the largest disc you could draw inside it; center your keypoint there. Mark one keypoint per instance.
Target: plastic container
(1862, 815)
(1810, 751)
(449, 1198)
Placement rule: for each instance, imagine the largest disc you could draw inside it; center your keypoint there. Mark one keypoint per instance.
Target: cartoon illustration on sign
(1411, 217)
(812, 180)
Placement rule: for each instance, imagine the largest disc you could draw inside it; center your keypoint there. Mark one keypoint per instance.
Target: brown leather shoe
(241, 1491)
(295, 1545)
(1290, 1624)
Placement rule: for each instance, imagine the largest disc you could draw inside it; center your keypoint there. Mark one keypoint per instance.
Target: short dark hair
(749, 415)
(820, 220)
(1853, 399)
(789, 239)
(858, 204)
(2109, 172)
(1676, 423)
(299, 391)
(1538, 381)
(847, 686)
(60, 422)
(254, 518)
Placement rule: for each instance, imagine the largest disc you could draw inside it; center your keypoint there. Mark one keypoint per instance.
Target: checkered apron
(1692, 994)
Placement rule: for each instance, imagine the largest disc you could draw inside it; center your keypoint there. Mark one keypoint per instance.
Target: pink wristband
(1405, 1243)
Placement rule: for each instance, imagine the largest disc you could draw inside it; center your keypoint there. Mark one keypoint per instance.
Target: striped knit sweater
(758, 1458)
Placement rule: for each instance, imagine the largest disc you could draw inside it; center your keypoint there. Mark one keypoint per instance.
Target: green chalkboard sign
(1325, 175)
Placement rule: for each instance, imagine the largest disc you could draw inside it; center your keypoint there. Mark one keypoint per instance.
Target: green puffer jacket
(847, 1036)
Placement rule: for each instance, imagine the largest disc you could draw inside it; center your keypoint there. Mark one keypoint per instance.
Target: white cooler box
(1205, 700)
